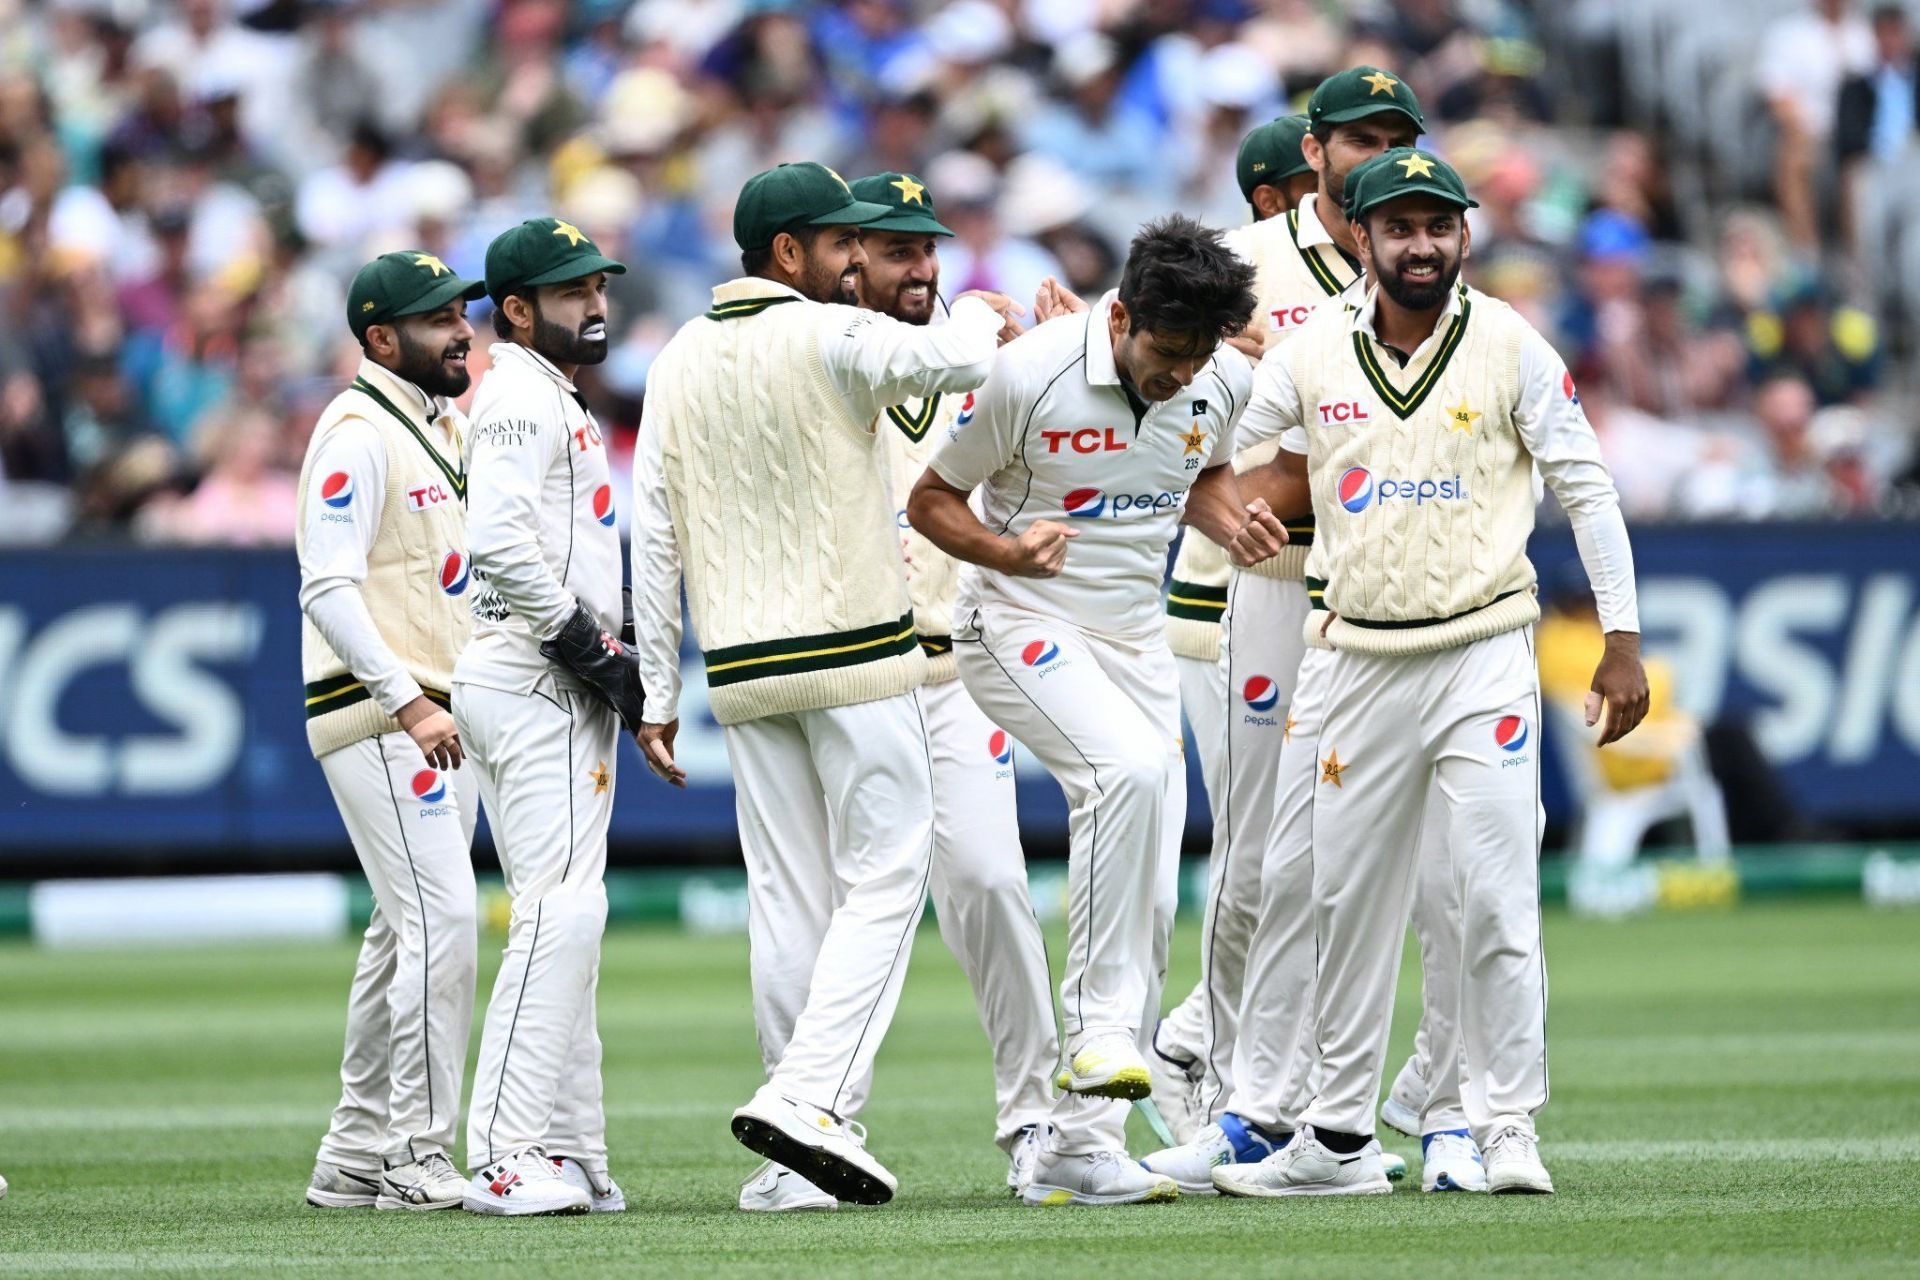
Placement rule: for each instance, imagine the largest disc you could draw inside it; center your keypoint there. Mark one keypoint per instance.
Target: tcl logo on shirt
(424, 497)
(1332, 411)
(1085, 440)
(1290, 317)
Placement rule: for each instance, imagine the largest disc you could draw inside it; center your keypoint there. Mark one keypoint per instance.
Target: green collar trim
(457, 477)
(741, 308)
(1403, 403)
(915, 426)
(1332, 285)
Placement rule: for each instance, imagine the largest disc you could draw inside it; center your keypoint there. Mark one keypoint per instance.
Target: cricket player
(1256, 938)
(761, 482)
(382, 540)
(979, 883)
(1108, 428)
(1276, 178)
(541, 695)
(1417, 417)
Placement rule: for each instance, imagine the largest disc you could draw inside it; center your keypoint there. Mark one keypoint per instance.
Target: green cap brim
(574, 268)
(909, 222)
(1404, 190)
(440, 295)
(1364, 110)
(858, 213)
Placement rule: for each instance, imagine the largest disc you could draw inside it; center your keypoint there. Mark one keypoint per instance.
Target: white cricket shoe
(422, 1186)
(603, 1193)
(1229, 1141)
(1306, 1168)
(1026, 1149)
(1107, 1065)
(333, 1187)
(1513, 1164)
(1102, 1177)
(523, 1185)
(1450, 1161)
(774, 1189)
(1176, 1091)
(815, 1143)
(1406, 1099)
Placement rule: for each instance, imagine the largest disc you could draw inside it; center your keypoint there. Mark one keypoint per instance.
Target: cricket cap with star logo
(798, 195)
(1271, 154)
(909, 204)
(542, 251)
(1403, 171)
(407, 282)
(1359, 92)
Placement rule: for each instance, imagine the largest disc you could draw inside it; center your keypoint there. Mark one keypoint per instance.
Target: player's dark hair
(757, 262)
(502, 327)
(1182, 280)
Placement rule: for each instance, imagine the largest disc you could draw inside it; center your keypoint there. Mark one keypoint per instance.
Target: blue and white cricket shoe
(1230, 1141)
(1450, 1161)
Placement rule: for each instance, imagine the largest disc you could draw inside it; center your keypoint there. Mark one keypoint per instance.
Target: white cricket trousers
(411, 1006)
(1466, 722)
(1275, 1064)
(1103, 714)
(1203, 696)
(835, 810)
(545, 762)
(1259, 662)
(984, 907)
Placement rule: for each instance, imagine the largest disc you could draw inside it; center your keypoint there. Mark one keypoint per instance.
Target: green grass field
(1734, 1094)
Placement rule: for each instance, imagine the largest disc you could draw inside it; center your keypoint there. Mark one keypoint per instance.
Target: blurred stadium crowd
(1702, 203)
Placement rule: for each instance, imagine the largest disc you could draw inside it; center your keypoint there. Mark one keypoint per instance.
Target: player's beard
(569, 346)
(427, 369)
(917, 311)
(823, 284)
(1413, 295)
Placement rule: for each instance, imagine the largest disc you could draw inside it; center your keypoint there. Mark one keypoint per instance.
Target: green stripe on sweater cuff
(1195, 601)
(740, 662)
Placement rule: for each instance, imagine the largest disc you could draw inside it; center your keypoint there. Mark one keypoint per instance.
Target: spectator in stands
(1876, 137)
(1803, 60)
(245, 497)
(1833, 348)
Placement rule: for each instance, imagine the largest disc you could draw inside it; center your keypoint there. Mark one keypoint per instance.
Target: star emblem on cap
(1461, 417)
(1195, 440)
(574, 235)
(431, 263)
(1331, 768)
(911, 192)
(1379, 82)
(1415, 166)
(842, 181)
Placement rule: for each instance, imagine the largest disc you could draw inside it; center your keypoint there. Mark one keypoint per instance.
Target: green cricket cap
(542, 251)
(909, 204)
(403, 283)
(1359, 92)
(1271, 154)
(797, 195)
(1403, 171)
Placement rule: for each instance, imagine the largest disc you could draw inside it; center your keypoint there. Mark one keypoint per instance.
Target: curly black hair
(1181, 280)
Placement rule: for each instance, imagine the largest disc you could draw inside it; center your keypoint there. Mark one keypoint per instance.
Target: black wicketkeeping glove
(610, 668)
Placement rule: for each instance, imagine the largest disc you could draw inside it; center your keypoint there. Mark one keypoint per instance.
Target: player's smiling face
(1414, 246)
(901, 276)
(430, 350)
(830, 265)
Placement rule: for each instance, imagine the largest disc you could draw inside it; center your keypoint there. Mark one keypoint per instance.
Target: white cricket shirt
(1054, 435)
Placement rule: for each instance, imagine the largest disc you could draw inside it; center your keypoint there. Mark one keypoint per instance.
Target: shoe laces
(534, 1156)
(438, 1166)
(1517, 1142)
(856, 1133)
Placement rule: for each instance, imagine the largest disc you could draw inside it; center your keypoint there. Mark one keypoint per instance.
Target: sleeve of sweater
(656, 577)
(876, 361)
